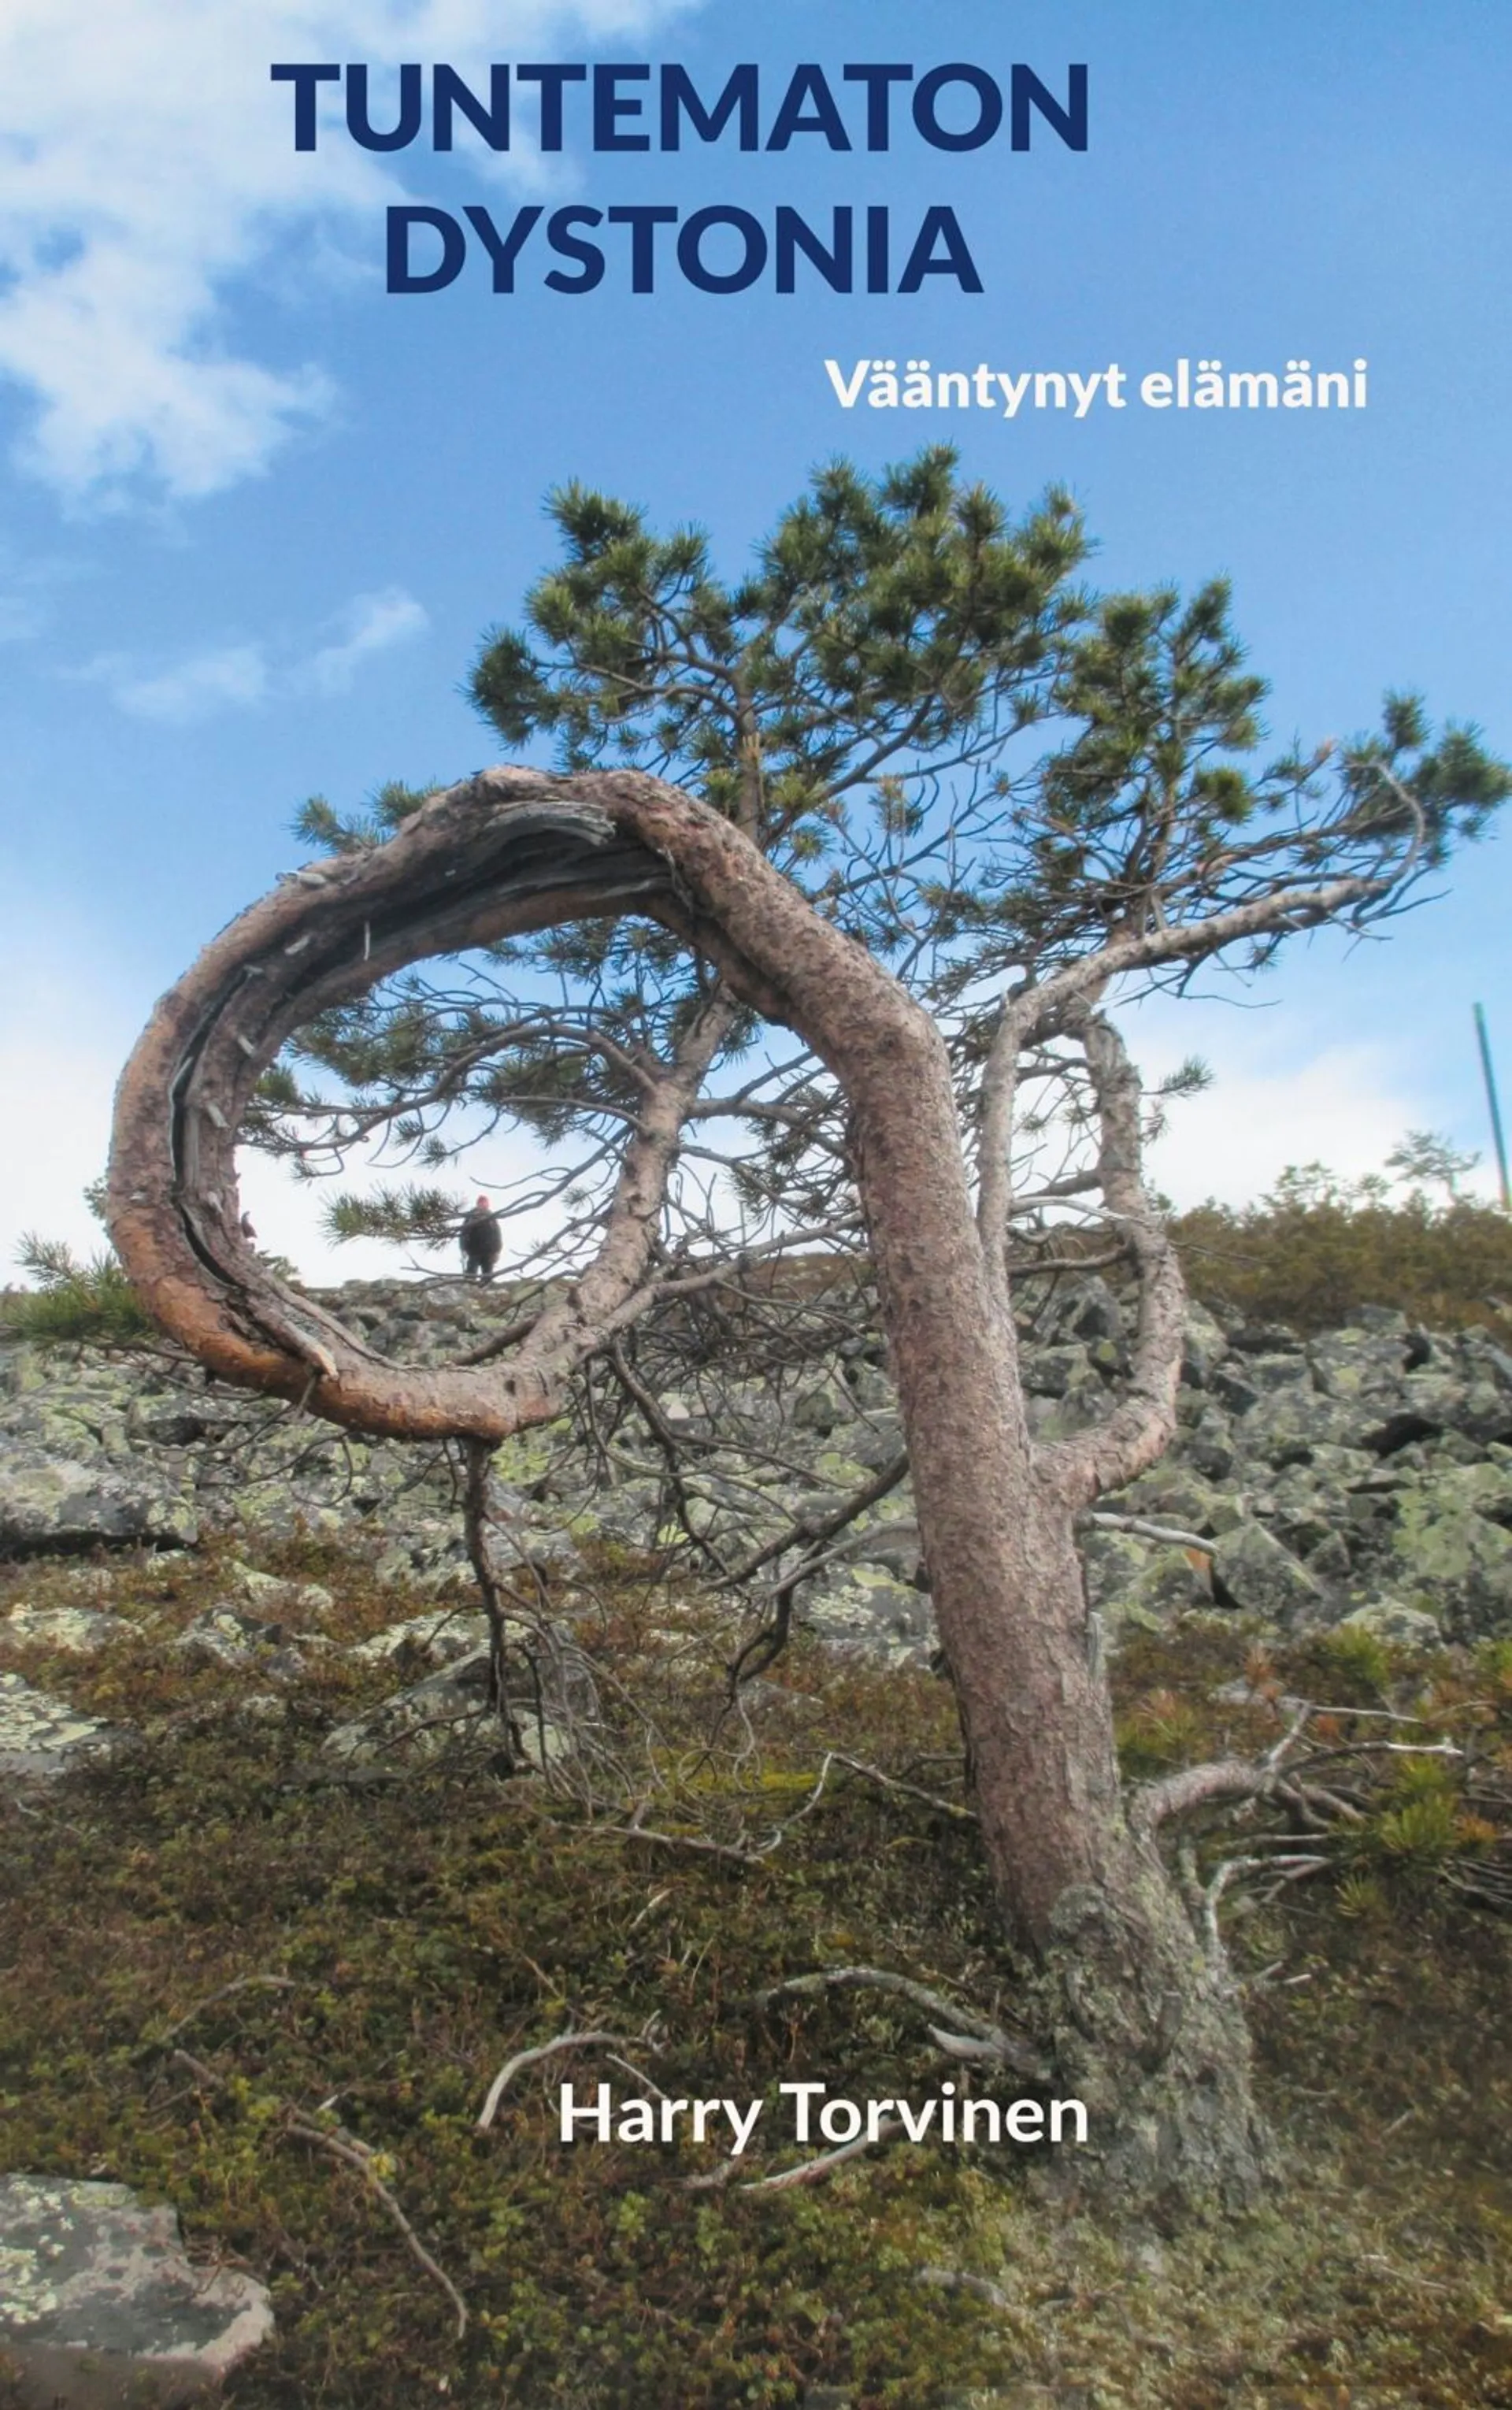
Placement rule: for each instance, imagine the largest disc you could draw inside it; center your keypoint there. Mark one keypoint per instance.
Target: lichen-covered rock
(1252, 1572)
(1353, 1363)
(281, 1601)
(1210, 1444)
(436, 1639)
(1131, 1580)
(77, 1630)
(50, 1502)
(1370, 1464)
(1087, 1309)
(1450, 1560)
(447, 1710)
(1204, 1344)
(1283, 1370)
(867, 1608)
(1402, 1627)
(233, 1637)
(42, 1736)
(1173, 1493)
(1290, 1423)
(89, 2269)
(1051, 1372)
(823, 1407)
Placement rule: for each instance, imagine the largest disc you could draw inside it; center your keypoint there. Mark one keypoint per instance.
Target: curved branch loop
(505, 852)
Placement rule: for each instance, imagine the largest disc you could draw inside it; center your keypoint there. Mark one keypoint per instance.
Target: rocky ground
(261, 1606)
(1363, 1475)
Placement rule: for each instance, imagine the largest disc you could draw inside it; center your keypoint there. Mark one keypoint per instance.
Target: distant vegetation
(1316, 1247)
(1307, 1255)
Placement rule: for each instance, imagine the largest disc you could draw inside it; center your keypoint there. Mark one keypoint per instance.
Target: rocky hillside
(1363, 1475)
(295, 1912)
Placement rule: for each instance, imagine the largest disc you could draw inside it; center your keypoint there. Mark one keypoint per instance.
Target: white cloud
(146, 164)
(196, 689)
(1278, 1097)
(237, 676)
(372, 623)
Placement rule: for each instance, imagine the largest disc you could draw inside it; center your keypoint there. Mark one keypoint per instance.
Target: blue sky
(257, 510)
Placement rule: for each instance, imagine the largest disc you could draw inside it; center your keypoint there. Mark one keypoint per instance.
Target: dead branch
(815, 2170)
(571, 2039)
(242, 1984)
(911, 1790)
(353, 2154)
(954, 2020)
(1167, 1533)
(681, 1842)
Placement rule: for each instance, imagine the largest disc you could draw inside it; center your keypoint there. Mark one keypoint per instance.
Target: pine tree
(807, 942)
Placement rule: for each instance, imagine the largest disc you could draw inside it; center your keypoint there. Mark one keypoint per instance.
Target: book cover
(1036, 480)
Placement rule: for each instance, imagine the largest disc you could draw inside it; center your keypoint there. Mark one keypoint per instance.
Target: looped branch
(506, 852)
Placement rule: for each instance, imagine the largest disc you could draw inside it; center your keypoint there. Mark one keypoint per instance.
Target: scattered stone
(434, 1718)
(1203, 1347)
(1371, 1462)
(1252, 1572)
(50, 1502)
(224, 1635)
(1089, 1310)
(867, 1610)
(436, 1639)
(822, 1408)
(1402, 1627)
(78, 1631)
(98, 2298)
(1232, 1389)
(42, 1736)
(281, 1601)
(1051, 1372)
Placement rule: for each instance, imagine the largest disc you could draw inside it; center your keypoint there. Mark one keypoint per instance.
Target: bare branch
(952, 2016)
(1139, 1428)
(814, 2171)
(571, 2039)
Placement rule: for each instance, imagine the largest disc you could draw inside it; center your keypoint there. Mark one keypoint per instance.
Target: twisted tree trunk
(1139, 2022)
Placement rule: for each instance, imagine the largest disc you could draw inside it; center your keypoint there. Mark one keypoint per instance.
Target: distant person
(482, 1241)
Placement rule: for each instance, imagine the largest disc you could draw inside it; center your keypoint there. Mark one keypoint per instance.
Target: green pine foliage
(908, 615)
(73, 1300)
(913, 704)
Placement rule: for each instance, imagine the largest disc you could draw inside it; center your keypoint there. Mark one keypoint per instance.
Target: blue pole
(1485, 1044)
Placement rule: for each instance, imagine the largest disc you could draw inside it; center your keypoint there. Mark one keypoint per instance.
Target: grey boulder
(98, 2304)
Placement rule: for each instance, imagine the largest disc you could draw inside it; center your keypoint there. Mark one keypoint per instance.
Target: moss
(425, 1931)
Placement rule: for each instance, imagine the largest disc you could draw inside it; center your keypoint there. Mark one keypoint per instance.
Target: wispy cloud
(239, 676)
(146, 164)
(373, 623)
(1281, 1095)
(194, 688)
